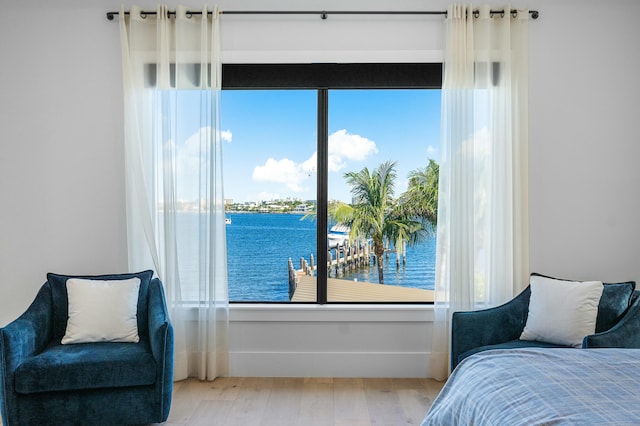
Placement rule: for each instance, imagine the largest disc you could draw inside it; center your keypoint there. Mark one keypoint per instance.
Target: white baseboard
(329, 364)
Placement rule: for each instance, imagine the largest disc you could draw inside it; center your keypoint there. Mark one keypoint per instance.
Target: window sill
(330, 312)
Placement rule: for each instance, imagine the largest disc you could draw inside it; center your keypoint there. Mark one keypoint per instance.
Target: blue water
(259, 246)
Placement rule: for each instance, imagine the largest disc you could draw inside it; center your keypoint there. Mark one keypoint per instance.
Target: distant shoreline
(243, 212)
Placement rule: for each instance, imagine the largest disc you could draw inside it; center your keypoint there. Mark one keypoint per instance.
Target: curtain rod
(323, 13)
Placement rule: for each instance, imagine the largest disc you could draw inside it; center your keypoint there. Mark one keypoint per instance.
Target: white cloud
(311, 165)
(343, 147)
(226, 135)
(191, 145)
(346, 146)
(280, 171)
(189, 158)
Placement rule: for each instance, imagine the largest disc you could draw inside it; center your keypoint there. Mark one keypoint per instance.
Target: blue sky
(270, 138)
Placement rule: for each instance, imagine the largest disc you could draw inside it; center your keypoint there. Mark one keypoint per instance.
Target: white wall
(585, 139)
(330, 341)
(61, 157)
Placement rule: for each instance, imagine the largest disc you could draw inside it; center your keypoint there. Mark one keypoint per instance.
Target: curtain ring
(476, 14)
(143, 15)
(188, 15)
(514, 14)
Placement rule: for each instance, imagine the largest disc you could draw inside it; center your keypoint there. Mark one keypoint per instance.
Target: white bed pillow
(102, 311)
(562, 312)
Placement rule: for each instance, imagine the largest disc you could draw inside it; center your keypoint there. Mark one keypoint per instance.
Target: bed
(541, 386)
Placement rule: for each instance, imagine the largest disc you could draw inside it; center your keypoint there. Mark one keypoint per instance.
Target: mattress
(542, 386)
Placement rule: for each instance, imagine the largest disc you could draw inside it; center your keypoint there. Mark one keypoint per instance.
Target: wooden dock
(345, 260)
(339, 290)
(340, 261)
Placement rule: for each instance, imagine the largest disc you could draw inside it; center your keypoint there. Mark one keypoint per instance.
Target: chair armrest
(160, 328)
(20, 339)
(161, 342)
(28, 334)
(625, 334)
(491, 326)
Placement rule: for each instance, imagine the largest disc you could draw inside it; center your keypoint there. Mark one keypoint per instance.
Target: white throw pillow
(102, 311)
(562, 312)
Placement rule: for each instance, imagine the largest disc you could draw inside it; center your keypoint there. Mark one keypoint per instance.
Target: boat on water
(227, 220)
(338, 235)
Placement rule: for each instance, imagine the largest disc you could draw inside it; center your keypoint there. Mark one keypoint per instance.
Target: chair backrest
(616, 299)
(58, 285)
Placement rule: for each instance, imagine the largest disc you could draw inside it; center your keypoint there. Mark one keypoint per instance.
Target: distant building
(302, 208)
(228, 201)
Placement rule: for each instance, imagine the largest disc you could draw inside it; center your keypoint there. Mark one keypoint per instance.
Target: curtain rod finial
(110, 15)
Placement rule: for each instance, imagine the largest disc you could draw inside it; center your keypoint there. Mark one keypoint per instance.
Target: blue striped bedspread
(542, 387)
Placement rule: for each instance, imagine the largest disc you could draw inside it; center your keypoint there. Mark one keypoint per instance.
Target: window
(297, 135)
(268, 189)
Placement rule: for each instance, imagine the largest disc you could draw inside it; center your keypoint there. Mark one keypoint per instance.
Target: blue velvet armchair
(43, 382)
(617, 324)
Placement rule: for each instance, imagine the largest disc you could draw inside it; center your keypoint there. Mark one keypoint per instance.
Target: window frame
(332, 76)
(323, 77)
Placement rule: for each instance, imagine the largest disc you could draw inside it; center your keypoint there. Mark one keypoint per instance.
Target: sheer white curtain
(482, 236)
(175, 205)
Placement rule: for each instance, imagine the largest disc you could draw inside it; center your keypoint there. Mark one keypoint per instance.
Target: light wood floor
(301, 401)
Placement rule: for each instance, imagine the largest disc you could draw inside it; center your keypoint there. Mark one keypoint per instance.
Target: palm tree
(420, 201)
(375, 214)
